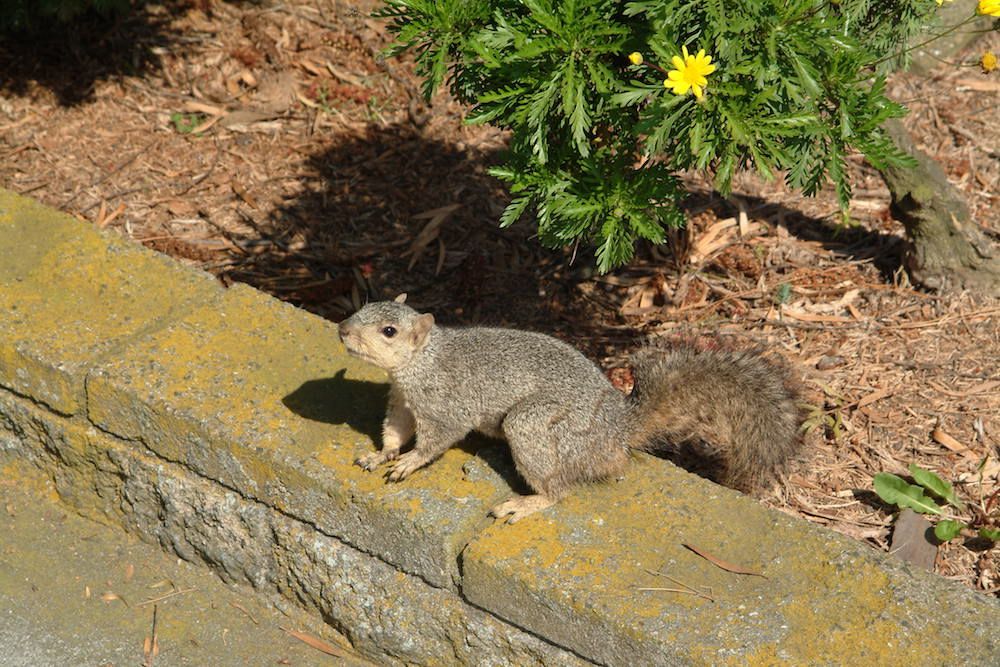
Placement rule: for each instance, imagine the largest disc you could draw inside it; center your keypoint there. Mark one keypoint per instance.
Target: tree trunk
(946, 249)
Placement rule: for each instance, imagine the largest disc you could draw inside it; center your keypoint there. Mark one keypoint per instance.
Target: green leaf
(804, 73)
(515, 209)
(947, 529)
(992, 534)
(634, 95)
(935, 485)
(896, 491)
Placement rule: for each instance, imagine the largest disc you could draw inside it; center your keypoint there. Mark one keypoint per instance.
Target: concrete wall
(222, 424)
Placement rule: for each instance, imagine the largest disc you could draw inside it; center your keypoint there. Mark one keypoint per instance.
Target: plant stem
(925, 42)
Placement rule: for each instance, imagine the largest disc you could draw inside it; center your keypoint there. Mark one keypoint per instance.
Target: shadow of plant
(69, 58)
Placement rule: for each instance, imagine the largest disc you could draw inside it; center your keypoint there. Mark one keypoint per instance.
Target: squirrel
(564, 421)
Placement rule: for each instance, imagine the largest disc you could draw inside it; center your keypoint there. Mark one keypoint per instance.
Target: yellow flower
(689, 73)
(941, 2)
(988, 62)
(989, 7)
(635, 58)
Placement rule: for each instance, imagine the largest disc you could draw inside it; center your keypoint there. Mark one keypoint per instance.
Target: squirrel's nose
(344, 331)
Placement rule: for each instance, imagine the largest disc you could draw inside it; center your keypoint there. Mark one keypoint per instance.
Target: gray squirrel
(564, 421)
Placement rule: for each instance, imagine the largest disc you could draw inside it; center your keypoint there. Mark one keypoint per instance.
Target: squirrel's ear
(401, 298)
(421, 327)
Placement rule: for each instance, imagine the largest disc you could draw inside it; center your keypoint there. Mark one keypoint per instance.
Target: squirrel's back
(734, 414)
(481, 374)
(532, 360)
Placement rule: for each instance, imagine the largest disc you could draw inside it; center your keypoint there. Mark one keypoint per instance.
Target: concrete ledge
(388, 615)
(48, 618)
(223, 389)
(572, 575)
(223, 425)
(70, 295)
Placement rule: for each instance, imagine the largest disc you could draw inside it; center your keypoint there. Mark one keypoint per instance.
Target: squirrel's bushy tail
(732, 415)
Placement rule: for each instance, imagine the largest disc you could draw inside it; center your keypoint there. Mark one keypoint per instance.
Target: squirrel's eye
(388, 332)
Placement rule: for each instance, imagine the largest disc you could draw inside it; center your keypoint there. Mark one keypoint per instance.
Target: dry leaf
(718, 562)
(242, 193)
(111, 596)
(104, 222)
(979, 84)
(310, 67)
(129, 572)
(876, 395)
(316, 643)
(344, 76)
(710, 241)
(206, 125)
(429, 232)
(978, 389)
(245, 117)
(200, 107)
(306, 101)
(951, 443)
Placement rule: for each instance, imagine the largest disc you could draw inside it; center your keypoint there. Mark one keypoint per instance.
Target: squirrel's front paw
(406, 464)
(372, 460)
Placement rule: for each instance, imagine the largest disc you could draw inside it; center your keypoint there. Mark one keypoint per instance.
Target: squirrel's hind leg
(519, 507)
(532, 429)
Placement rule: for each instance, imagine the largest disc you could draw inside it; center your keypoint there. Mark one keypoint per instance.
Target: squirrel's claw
(519, 507)
(372, 460)
(406, 464)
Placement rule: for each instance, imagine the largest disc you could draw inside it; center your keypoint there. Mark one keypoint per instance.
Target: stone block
(70, 294)
(262, 398)
(573, 574)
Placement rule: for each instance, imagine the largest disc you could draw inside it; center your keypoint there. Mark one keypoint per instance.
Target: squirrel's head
(386, 333)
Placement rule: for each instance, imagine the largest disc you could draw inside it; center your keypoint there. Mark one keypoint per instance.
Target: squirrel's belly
(490, 427)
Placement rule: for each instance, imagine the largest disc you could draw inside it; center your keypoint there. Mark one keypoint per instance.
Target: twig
(248, 614)
(689, 590)
(118, 167)
(168, 595)
(195, 181)
(816, 327)
(151, 650)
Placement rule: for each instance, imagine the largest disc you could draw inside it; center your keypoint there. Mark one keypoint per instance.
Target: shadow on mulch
(851, 243)
(396, 210)
(376, 194)
(70, 58)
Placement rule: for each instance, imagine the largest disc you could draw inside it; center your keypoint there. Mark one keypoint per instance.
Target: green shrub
(21, 15)
(596, 135)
